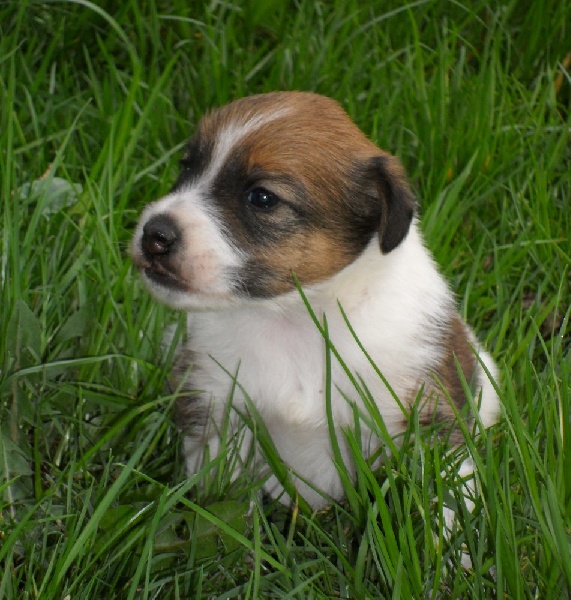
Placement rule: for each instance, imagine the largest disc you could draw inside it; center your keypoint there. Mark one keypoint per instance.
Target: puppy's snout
(161, 235)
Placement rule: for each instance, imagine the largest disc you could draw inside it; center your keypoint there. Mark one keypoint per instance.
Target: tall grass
(96, 100)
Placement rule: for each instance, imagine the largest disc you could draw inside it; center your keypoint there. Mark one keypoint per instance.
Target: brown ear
(398, 204)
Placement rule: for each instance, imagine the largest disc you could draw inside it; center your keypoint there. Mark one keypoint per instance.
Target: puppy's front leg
(223, 436)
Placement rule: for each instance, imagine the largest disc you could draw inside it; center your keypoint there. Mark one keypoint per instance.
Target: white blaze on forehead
(228, 137)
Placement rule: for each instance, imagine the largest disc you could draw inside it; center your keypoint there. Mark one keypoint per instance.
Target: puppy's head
(270, 185)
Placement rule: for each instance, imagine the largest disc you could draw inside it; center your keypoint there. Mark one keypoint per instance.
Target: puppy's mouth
(157, 273)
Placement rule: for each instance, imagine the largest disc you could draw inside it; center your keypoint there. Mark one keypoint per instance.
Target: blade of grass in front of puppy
(373, 418)
(389, 548)
(263, 438)
(325, 336)
(346, 478)
(354, 499)
(229, 444)
(368, 400)
(406, 413)
(354, 440)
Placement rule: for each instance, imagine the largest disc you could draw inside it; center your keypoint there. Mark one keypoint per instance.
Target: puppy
(282, 187)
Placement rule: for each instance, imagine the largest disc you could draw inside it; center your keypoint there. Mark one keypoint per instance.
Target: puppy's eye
(262, 198)
(186, 163)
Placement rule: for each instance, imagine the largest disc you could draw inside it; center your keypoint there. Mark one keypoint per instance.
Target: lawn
(96, 100)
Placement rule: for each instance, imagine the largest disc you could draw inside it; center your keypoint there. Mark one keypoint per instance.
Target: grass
(96, 101)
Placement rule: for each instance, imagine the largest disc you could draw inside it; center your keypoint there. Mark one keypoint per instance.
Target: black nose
(161, 236)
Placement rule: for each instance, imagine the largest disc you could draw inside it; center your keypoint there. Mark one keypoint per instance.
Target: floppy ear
(398, 204)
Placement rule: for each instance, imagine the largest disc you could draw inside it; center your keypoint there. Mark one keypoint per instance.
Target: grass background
(95, 103)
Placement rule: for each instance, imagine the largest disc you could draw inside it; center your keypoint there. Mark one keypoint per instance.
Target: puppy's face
(270, 186)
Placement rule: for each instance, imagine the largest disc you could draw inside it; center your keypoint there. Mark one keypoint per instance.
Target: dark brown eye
(187, 163)
(262, 198)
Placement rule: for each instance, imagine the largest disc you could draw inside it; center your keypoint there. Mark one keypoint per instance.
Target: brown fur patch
(337, 189)
(457, 354)
(310, 258)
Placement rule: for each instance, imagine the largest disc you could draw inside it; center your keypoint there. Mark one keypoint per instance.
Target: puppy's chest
(279, 362)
